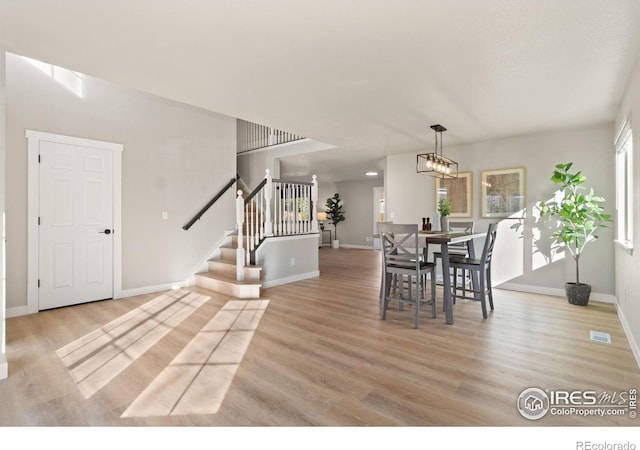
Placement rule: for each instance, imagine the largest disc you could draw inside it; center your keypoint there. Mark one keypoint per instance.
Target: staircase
(276, 208)
(221, 276)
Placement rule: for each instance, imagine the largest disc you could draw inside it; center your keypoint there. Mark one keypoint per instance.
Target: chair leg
(433, 293)
(464, 282)
(489, 290)
(384, 302)
(482, 293)
(454, 289)
(413, 295)
(401, 293)
(455, 283)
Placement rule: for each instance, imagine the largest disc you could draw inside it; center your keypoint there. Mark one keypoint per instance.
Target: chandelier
(436, 164)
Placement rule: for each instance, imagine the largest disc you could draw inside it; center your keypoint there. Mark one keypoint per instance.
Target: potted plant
(335, 215)
(580, 213)
(444, 209)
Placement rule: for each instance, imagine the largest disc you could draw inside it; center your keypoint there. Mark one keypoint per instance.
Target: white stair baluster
(279, 209)
(268, 224)
(313, 206)
(296, 216)
(239, 225)
(259, 217)
(290, 215)
(308, 204)
(248, 229)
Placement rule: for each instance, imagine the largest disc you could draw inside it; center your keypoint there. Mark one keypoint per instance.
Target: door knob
(107, 231)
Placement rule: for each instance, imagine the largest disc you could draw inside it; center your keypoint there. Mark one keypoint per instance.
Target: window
(624, 186)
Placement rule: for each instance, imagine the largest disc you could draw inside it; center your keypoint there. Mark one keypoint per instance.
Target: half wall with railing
(275, 208)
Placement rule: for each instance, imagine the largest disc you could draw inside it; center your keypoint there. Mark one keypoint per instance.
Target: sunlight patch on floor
(198, 378)
(98, 357)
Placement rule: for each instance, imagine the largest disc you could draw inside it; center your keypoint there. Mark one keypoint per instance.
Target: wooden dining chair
(480, 269)
(405, 270)
(459, 248)
(381, 254)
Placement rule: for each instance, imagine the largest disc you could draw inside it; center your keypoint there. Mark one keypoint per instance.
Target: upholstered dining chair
(405, 270)
(481, 271)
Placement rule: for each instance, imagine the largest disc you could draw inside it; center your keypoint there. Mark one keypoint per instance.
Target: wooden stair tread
(229, 279)
(232, 262)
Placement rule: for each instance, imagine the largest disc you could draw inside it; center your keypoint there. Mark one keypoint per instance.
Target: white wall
(519, 259)
(4, 369)
(175, 159)
(628, 265)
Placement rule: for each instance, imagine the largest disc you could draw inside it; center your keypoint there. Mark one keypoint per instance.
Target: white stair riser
(223, 267)
(228, 254)
(228, 288)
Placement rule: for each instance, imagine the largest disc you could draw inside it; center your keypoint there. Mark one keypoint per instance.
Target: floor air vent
(599, 336)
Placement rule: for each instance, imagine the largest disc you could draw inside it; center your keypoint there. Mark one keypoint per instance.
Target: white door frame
(375, 241)
(33, 198)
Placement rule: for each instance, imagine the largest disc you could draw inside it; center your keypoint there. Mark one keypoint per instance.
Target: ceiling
(366, 76)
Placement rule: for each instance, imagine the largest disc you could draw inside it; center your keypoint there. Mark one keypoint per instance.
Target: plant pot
(578, 294)
(335, 243)
(444, 223)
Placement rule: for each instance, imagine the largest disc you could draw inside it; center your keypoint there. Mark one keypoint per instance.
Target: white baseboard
(157, 288)
(635, 346)
(595, 296)
(291, 279)
(17, 311)
(4, 366)
(364, 247)
(23, 310)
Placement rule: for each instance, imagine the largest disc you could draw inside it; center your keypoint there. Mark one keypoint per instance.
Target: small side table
(323, 242)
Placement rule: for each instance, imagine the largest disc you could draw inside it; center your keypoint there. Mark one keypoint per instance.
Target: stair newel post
(268, 194)
(314, 200)
(239, 226)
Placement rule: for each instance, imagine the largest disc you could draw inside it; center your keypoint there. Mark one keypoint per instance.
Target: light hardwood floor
(321, 356)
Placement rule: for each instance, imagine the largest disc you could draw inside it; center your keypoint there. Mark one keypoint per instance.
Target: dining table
(444, 239)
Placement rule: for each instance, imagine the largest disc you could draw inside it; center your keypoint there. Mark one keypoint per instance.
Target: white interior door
(75, 224)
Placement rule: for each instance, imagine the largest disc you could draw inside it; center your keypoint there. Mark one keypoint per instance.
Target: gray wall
(325, 190)
(252, 165)
(175, 159)
(252, 168)
(628, 265)
(521, 259)
(357, 196)
(288, 259)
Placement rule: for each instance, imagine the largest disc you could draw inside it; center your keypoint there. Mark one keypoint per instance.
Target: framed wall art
(458, 191)
(503, 193)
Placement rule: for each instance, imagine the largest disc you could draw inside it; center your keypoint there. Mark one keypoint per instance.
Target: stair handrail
(215, 198)
(256, 190)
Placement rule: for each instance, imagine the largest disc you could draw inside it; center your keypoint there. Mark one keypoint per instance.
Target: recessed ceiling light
(371, 174)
